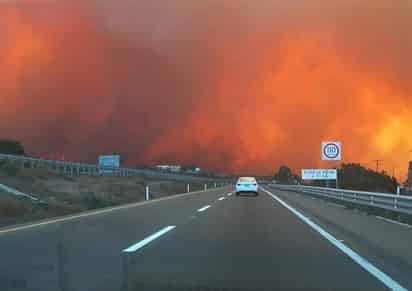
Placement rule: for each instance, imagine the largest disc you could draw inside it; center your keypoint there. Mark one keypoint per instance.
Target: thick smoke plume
(237, 86)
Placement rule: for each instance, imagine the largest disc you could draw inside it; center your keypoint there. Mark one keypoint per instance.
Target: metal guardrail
(397, 203)
(17, 192)
(78, 168)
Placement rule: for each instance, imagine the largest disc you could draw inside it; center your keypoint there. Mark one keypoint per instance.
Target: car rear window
(250, 180)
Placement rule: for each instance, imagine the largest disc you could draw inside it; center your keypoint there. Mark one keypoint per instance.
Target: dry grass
(11, 206)
(65, 195)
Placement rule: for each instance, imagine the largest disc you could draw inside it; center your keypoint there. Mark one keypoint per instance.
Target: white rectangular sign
(331, 151)
(319, 174)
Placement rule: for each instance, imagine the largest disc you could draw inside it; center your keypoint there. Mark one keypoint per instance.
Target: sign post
(332, 151)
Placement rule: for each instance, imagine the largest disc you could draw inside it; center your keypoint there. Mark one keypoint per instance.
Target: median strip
(148, 239)
(365, 264)
(203, 208)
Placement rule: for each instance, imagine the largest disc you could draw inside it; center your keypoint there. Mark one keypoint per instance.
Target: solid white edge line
(365, 264)
(148, 239)
(9, 229)
(393, 221)
(203, 208)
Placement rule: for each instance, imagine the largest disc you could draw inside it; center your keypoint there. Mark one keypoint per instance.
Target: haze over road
(208, 240)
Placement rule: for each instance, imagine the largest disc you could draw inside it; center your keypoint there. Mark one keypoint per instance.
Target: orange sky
(239, 87)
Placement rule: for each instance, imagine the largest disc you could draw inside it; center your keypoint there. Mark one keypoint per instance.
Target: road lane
(386, 245)
(83, 253)
(338, 243)
(246, 243)
(239, 243)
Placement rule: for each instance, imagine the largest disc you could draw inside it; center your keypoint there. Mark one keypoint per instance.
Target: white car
(246, 184)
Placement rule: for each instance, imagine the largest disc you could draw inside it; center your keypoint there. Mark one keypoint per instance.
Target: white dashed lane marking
(203, 208)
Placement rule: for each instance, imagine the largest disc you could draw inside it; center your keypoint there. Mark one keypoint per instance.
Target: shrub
(11, 208)
(11, 147)
(9, 168)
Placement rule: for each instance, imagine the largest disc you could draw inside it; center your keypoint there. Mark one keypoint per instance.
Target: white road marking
(203, 208)
(229, 194)
(374, 271)
(221, 198)
(393, 221)
(148, 239)
(93, 213)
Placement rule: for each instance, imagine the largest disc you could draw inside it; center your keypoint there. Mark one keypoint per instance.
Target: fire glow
(237, 90)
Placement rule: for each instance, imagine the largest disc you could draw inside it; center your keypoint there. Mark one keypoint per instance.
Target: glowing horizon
(236, 88)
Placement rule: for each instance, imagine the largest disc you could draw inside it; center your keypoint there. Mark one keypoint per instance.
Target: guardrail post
(147, 193)
(205, 187)
(396, 203)
(188, 188)
(215, 185)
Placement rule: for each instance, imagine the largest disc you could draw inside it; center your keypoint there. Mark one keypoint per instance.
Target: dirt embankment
(60, 195)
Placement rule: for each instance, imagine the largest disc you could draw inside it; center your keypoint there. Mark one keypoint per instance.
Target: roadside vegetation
(354, 176)
(351, 176)
(56, 195)
(285, 176)
(61, 195)
(8, 168)
(11, 147)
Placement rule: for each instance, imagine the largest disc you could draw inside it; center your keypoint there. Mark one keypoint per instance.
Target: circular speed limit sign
(331, 151)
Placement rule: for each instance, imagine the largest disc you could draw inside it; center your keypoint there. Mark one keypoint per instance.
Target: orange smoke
(296, 93)
(242, 91)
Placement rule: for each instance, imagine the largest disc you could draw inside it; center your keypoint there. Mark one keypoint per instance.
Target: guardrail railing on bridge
(397, 203)
(78, 168)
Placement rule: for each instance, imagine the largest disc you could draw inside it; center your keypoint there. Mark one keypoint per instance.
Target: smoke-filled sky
(237, 86)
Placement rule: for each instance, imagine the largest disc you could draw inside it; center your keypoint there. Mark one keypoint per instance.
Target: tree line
(351, 176)
(11, 147)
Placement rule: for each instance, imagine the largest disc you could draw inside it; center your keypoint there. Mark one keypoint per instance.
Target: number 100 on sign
(331, 151)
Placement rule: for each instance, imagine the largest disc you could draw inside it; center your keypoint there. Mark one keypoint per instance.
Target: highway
(209, 240)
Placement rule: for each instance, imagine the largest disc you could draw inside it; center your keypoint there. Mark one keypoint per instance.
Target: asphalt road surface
(209, 240)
